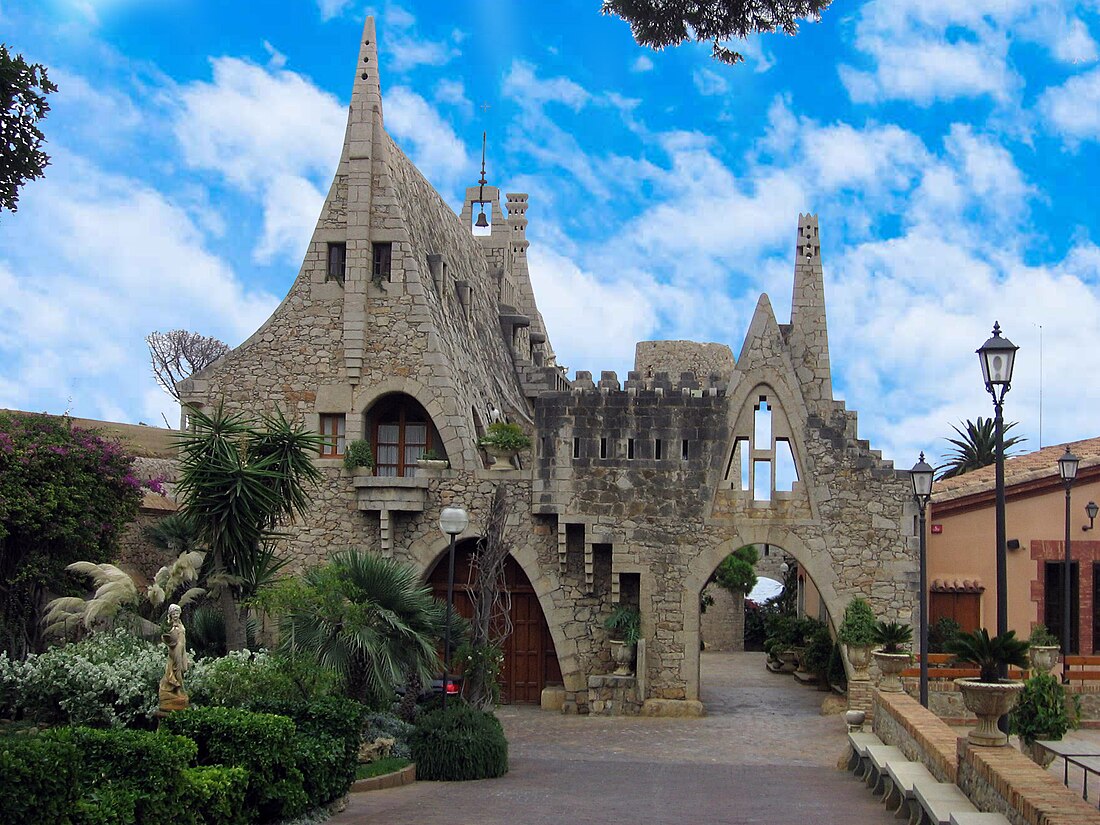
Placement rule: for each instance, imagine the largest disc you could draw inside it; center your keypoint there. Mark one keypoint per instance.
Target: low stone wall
(997, 780)
(945, 700)
(613, 696)
(901, 721)
(1004, 781)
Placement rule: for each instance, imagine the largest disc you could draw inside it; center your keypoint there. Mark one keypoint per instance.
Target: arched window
(400, 432)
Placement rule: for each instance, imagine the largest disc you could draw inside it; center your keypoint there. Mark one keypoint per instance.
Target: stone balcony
(391, 493)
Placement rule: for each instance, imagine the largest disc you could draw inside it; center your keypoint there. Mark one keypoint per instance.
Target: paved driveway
(763, 755)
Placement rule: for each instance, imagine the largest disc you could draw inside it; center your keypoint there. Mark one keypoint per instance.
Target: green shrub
(328, 742)
(1041, 637)
(858, 627)
(123, 765)
(893, 637)
(836, 673)
(358, 454)
(989, 654)
(942, 631)
(107, 680)
(236, 679)
(214, 795)
(735, 573)
(387, 725)
(459, 743)
(1040, 712)
(38, 779)
(261, 743)
(505, 436)
(110, 803)
(819, 646)
(625, 624)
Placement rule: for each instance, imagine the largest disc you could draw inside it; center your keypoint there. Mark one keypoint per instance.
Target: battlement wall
(687, 383)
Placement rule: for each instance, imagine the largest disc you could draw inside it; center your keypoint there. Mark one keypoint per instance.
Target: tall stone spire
(366, 97)
(808, 337)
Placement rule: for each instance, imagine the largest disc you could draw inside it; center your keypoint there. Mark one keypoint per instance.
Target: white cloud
(643, 63)
(332, 8)
(276, 59)
(453, 93)
(406, 48)
(273, 134)
(709, 82)
(435, 148)
(1072, 110)
(530, 91)
(932, 50)
(124, 261)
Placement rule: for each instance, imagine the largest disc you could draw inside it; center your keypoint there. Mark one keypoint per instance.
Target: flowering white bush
(107, 680)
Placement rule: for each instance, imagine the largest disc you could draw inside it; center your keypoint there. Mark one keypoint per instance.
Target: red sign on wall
(937, 528)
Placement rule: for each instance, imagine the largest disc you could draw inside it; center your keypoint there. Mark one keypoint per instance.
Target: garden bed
(405, 774)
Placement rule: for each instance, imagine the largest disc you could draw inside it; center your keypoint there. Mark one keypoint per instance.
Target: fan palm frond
(976, 447)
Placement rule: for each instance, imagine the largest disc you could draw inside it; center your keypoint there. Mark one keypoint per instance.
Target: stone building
(407, 329)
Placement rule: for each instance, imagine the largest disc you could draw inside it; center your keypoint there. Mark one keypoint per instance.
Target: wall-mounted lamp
(1091, 509)
(1013, 544)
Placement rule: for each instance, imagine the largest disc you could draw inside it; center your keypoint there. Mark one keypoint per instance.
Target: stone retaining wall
(998, 780)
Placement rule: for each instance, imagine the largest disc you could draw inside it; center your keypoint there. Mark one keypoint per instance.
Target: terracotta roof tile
(1019, 469)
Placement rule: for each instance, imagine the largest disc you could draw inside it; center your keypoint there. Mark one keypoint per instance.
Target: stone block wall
(723, 625)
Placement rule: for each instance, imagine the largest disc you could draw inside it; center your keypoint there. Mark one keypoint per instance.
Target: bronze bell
(482, 221)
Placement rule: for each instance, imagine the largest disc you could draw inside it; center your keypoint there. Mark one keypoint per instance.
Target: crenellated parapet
(659, 383)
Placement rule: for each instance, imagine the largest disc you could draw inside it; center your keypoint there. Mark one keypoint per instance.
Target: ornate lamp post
(921, 476)
(452, 521)
(1067, 469)
(997, 357)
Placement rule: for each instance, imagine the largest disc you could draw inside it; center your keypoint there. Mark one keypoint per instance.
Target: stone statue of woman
(172, 695)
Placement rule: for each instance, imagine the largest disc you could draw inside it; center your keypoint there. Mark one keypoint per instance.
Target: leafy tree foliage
(736, 573)
(661, 23)
(23, 90)
(238, 480)
(976, 447)
(65, 495)
(179, 353)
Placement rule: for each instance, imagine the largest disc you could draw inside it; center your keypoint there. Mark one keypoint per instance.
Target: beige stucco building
(962, 547)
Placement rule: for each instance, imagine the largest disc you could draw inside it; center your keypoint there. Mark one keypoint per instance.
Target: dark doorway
(1054, 588)
(530, 660)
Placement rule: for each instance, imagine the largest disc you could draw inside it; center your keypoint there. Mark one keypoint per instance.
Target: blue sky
(949, 148)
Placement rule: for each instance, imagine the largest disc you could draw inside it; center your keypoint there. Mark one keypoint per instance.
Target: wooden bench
(940, 667)
(1083, 668)
(938, 801)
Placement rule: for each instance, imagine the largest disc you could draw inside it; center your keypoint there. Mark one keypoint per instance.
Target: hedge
(261, 743)
(39, 784)
(459, 743)
(215, 794)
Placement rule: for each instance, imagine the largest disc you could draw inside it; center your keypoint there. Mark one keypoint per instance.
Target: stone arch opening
(530, 654)
(400, 431)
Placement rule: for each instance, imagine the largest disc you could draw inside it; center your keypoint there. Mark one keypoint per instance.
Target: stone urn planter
(1037, 753)
(860, 658)
(431, 466)
(1043, 658)
(989, 701)
(502, 457)
(891, 665)
(623, 655)
(788, 660)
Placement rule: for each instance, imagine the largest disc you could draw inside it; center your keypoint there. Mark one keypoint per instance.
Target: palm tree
(369, 619)
(976, 447)
(238, 480)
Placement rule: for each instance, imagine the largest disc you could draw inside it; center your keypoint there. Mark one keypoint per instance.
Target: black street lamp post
(452, 521)
(921, 476)
(1067, 469)
(997, 357)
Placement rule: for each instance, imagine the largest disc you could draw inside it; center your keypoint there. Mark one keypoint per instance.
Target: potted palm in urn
(857, 634)
(502, 441)
(989, 697)
(1043, 649)
(892, 656)
(625, 627)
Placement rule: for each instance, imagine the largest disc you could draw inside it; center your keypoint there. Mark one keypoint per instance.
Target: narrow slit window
(743, 449)
(576, 448)
(786, 473)
(383, 260)
(684, 450)
(630, 448)
(658, 449)
(332, 428)
(762, 480)
(337, 262)
(762, 429)
(603, 448)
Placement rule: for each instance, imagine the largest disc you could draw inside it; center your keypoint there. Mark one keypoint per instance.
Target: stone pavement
(763, 755)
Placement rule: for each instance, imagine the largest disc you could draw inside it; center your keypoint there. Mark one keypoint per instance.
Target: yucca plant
(893, 637)
(989, 654)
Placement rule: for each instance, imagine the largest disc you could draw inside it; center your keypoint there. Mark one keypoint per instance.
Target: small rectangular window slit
(684, 450)
(658, 449)
(630, 448)
(603, 448)
(576, 448)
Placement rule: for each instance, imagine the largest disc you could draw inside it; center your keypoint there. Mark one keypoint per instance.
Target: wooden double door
(530, 661)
